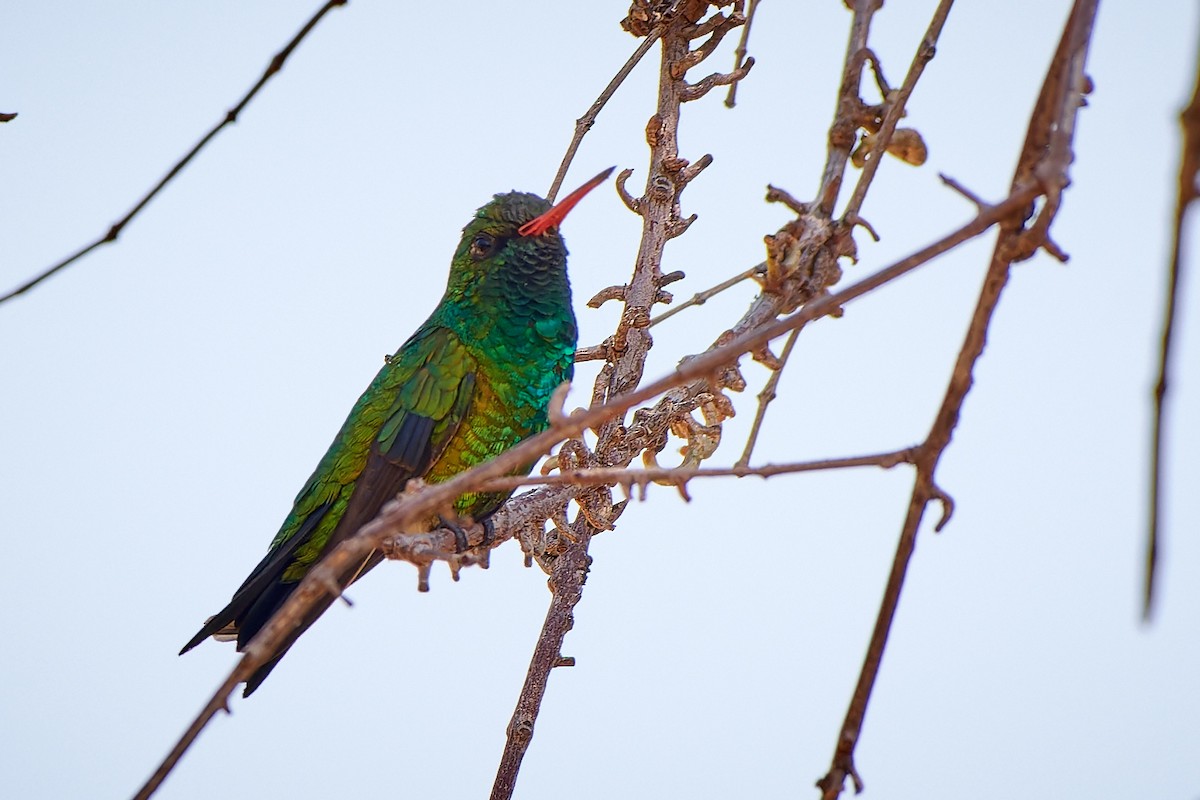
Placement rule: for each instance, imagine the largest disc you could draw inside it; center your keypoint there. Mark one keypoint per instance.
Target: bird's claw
(461, 542)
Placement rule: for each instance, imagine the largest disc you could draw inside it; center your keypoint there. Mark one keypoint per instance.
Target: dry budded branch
(1052, 127)
(676, 25)
(1189, 170)
(230, 117)
(894, 104)
(803, 256)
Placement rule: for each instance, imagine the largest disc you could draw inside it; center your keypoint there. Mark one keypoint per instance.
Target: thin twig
(739, 55)
(230, 117)
(1052, 124)
(895, 107)
(702, 297)
(1189, 168)
(664, 475)
(584, 123)
(766, 396)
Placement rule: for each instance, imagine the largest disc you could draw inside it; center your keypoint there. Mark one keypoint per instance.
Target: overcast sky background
(165, 398)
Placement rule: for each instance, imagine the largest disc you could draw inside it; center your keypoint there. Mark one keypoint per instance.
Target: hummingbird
(474, 380)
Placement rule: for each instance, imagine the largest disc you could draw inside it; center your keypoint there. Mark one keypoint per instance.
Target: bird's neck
(528, 314)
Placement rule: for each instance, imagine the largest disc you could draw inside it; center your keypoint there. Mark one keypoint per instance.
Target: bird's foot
(461, 542)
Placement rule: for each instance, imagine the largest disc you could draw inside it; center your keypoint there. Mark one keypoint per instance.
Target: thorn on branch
(599, 352)
(869, 56)
(679, 226)
(936, 493)
(689, 173)
(697, 90)
(609, 293)
(707, 26)
(633, 205)
(777, 195)
(1054, 250)
(855, 219)
(719, 25)
(671, 277)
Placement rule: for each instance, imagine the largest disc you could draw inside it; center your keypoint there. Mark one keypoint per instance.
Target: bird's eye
(482, 245)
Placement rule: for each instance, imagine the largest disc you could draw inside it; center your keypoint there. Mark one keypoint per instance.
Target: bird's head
(514, 239)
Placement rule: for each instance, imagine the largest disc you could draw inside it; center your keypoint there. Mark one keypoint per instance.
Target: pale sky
(166, 397)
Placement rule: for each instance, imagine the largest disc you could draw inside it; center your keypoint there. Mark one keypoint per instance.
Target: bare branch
(230, 117)
(1189, 169)
(1051, 126)
(739, 54)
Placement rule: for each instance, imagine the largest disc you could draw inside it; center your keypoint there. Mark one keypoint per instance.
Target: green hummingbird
(474, 380)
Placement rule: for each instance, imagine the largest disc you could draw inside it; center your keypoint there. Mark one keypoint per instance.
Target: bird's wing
(430, 404)
(399, 426)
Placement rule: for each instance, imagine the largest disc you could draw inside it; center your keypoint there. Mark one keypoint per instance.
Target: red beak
(552, 218)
